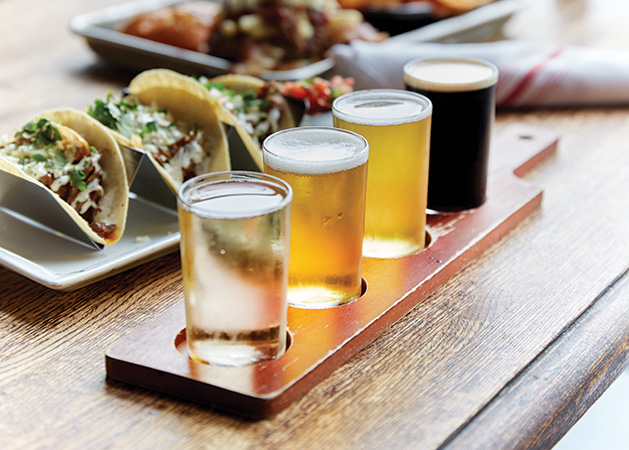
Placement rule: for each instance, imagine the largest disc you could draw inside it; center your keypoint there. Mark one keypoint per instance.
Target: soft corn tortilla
(187, 101)
(243, 83)
(114, 202)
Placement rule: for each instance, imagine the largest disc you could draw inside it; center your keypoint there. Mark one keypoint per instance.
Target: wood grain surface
(508, 354)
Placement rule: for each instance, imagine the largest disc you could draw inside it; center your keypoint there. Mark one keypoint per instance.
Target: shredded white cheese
(39, 162)
(159, 139)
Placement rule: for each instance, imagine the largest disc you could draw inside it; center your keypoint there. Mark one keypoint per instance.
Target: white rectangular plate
(63, 264)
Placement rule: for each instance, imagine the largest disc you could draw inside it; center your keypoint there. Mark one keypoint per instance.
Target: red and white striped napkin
(530, 74)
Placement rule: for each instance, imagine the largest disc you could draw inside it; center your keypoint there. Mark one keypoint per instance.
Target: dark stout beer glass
(462, 92)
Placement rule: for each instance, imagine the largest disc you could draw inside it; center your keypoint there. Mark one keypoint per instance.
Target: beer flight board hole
(363, 288)
(180, 343)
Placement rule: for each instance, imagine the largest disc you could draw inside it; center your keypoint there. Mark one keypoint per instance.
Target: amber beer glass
(396, 123)
(327, 169)
(235, 230)
(462, 92)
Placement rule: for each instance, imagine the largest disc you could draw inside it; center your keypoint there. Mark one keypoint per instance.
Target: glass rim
(314, 165)
(233, 176)
(415, 82)
(425, 112)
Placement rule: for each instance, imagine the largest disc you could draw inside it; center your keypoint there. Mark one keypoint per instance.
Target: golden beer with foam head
(327, 170)
(396, 124)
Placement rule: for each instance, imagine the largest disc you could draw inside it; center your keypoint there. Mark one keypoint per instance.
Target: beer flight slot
(396, 124)
(234, 245)
(327, 170)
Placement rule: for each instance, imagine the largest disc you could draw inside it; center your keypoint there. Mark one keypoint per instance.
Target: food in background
(283, 34)
(364, 4)
(256, 108)
(446, 8)
(80, 164)
(441, 8)
(186, 25)
(318, 93)
(169, 116)
(257, 36)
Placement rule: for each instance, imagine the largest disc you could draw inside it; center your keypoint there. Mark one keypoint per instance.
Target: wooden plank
(589, 355)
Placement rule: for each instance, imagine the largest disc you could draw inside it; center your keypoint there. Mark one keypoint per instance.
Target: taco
(77, 159)
(170, 118)
(254, 107)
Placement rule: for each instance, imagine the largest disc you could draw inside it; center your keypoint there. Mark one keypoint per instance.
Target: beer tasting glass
(396, 123)
(463, 95)
(327, 169)
(235, 229)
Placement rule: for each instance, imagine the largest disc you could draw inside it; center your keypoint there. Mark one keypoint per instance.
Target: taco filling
(258, 110)
(174, 145)
(63, 161)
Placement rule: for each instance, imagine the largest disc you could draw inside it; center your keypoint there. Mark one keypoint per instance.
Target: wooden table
(508, 354)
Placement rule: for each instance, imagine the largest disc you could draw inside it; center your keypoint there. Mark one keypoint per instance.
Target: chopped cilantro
(150, 127)
(336, 91)
(113, 114)
(59, 161)
(101, 112)
(38, 157)
(43, 131)
(249, 96)
(264, 104)
(208, 84)
(125, 105)
(243, 102)
(77, 178)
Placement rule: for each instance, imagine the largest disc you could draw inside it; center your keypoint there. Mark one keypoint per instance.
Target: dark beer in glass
(462, 92)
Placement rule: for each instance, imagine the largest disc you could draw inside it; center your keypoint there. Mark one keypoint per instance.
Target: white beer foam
(235, 199)
(382, 107)
(450, 75)
(315, 150)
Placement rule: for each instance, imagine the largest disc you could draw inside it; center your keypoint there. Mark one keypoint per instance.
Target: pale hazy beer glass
(327, 169)
(396, 123)
(235, 230)
(463, 96)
